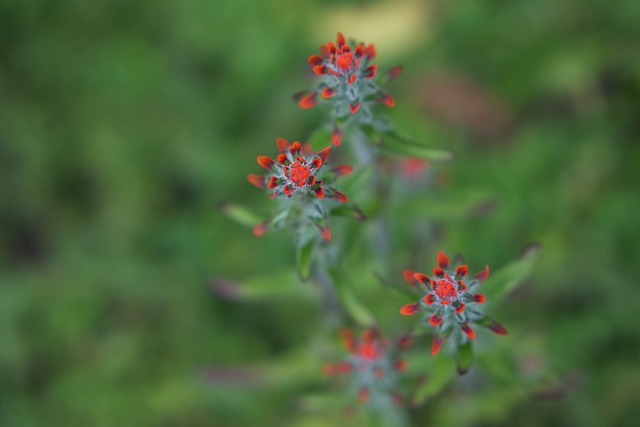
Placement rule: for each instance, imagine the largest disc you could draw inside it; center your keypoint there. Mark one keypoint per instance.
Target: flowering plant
(298, 171)
(302, 182)
(450, 304)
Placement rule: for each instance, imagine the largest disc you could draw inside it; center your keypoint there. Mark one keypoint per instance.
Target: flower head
(349, 82)
(450, 302)
(298, 171)
(372, 364)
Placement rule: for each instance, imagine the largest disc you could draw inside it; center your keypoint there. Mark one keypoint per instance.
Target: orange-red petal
(295, 148)
(462, 271)
(315, 60)
(422, 278)
(370, 51)
(336, 136)
(354, 108)
(370, 72)
(257, 180)
(342, 170)
(340, 196)
(479, 298)
(436, 344)
(324, 153)
(409, 309)
(394, 72)
(316, 162)
(352, 79)
(265, 161)
(288, 190)
(483, 275)
(468, 331)
(388, 100)
(408, 277)
(498, 328)
(325, 232)
(429, 299)
(320, 69)
(340, 39)
(327, 92)
(261, 228)
(307, 101)
(319, 191)
(283, 145)
(435, 320)
(273, 182)
(442, 259)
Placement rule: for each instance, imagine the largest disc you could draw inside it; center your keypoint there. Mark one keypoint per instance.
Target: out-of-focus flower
(350, 83)
(450, 303)
(413, 168)
(372, 365)
(299, 172)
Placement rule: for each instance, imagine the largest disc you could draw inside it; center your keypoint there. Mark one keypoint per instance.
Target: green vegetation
(125, 124)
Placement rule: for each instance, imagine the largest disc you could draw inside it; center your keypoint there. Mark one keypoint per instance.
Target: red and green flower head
(299, 172)
(349, 82)
(372, 365)
(450, 302)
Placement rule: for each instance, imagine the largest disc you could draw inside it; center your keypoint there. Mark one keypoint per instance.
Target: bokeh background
(124, 125)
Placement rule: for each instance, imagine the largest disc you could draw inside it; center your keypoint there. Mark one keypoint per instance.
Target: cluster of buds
(372, 365)
(449, 303)
(349, 83)
(299, 173)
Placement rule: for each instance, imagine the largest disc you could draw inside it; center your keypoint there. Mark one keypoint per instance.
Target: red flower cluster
(297, 169)
(449, 301)
(348, 79)
(371, 362)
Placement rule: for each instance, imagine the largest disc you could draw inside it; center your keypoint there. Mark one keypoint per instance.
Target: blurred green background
(124, 124)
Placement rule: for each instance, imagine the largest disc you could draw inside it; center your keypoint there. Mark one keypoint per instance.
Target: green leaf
(439, 376)
(451, 206)
(464, 359)
(240, 214)
(304, 257)
(360, 314)
(349, 211)
(281, 284)
(398, 145)
(509, 277)
(320, 138)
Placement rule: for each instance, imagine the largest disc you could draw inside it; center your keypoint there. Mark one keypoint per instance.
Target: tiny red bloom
(448, 301)
(299, 171)
(371, 363)
(349, 78)
(295, 169)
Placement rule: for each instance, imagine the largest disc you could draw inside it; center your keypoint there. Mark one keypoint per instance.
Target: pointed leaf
(240, 214)
(439, 376)
(509, 277)
(281, 284)
(354, 307)
(349, 211)
(464, 359)
(304, 258)
(396, 144)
